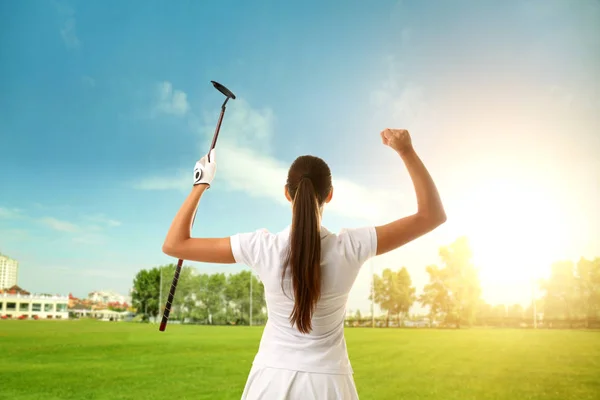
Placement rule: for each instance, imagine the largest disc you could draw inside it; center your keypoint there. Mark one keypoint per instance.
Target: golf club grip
(167, 311)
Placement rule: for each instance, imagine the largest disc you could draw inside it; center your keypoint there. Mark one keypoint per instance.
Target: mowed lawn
(108, 360)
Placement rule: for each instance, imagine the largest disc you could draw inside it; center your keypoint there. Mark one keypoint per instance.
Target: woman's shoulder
(361, 242)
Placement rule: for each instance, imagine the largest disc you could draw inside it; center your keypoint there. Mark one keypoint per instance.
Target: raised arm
(179, 242)
(430, 212)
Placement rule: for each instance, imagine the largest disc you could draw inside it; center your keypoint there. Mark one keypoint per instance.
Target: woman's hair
(308, 184)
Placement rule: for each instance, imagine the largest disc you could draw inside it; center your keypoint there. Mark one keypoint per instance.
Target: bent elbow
(435, 219)
(441, 218)
(168, 249)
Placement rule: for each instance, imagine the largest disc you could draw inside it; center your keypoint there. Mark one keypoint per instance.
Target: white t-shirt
(323, 350)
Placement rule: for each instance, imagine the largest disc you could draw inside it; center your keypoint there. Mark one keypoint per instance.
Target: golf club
(228, 95)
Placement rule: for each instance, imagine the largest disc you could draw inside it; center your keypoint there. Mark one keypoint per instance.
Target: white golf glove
(204, 171)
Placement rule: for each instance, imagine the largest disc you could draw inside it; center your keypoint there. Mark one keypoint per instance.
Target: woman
(307, 273)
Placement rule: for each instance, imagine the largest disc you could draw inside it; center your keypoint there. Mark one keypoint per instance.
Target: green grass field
(106, 360)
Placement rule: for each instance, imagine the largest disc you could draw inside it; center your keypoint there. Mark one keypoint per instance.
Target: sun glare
(515, 231)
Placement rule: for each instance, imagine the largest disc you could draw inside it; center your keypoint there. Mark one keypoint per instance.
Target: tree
(453, 291)
(237, 295)
(499, 314)
(588, 288)
(212, 297)
(495, 315)
(560, 300)
(393, 292)
(259, 303)
(462, 280)
(539, 307)
(484, 313)
(515, 311)
(435, 294)
(403, 292)
(184, 302)
(515, 314)
(358, 315)
(145, 292)
(118, 307)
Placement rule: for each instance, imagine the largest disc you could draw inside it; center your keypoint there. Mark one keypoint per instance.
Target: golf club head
(223, 90)
(229, 94)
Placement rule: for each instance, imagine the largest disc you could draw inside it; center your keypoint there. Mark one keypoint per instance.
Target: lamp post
(372, 295)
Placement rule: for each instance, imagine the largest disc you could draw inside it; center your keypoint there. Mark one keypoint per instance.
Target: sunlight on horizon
(516, 230)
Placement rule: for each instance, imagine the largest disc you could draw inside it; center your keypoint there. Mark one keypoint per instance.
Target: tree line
(570, 296)
(216, 299)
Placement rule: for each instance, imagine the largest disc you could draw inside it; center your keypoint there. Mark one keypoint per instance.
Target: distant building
(18, 303)
(9, 269)
(109, 315)
(79, 308)
(108, 296)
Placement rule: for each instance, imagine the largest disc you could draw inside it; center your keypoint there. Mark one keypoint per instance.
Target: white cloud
(84, 229)
(245, 127)
(179, 181)
(14, 235)
(68, 30)
(587, 12)
(406, 36)
(173, 102)
(92, 272)
(92, 239)
(263, 176)
(399, 101)
(405, 102)
(103, 220)
(103, 273)
(10, 212)
(69, 34)
(241, 167)
(59, 225)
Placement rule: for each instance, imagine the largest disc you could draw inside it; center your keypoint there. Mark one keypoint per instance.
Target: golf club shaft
(167, 310)
(216, 135)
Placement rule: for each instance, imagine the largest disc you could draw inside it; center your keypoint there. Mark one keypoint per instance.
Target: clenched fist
(397, 139)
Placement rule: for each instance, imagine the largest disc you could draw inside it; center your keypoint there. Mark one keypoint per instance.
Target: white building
(109, 315)
(18, 303)
(108, 296)
(9, 269)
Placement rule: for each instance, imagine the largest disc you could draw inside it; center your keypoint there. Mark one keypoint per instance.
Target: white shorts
(281, 384)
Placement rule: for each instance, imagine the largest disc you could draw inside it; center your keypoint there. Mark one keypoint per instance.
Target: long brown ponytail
(313, 184)
(305, 255)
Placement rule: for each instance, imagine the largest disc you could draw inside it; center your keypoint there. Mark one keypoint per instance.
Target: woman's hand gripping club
(205, 169)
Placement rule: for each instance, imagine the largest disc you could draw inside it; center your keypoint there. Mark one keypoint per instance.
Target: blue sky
(105, 108)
